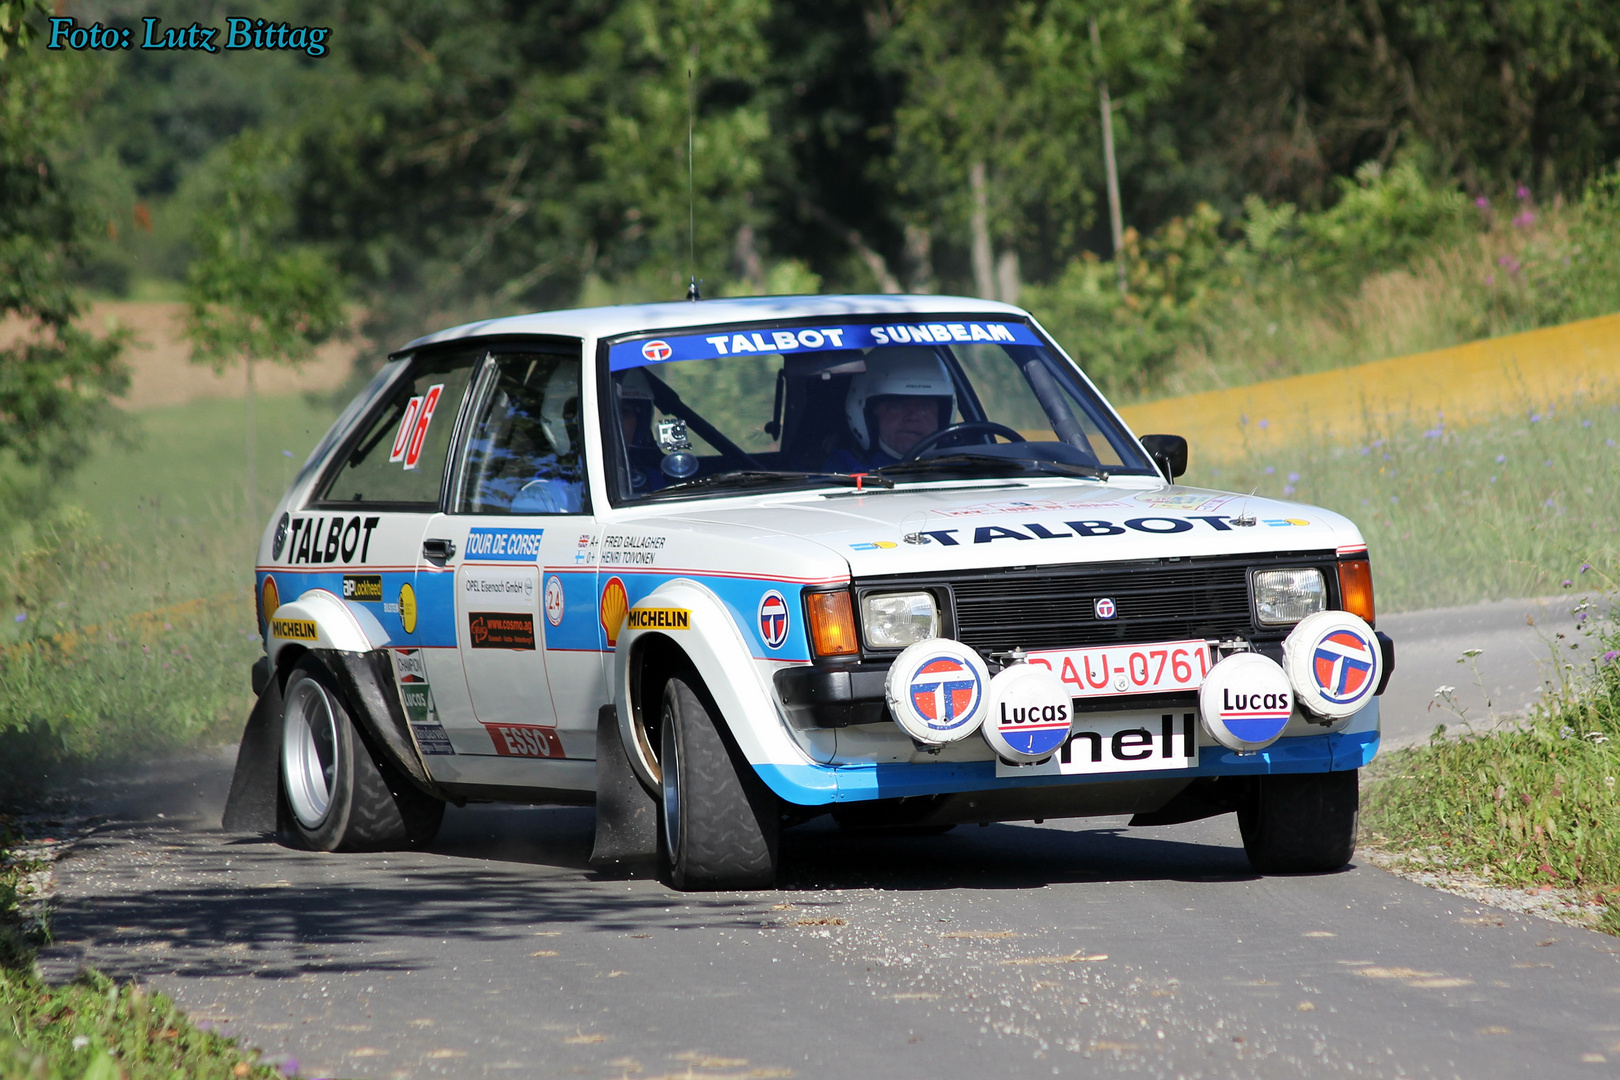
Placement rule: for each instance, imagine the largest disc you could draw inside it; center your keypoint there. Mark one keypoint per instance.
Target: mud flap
(626, 815)
(256, 784)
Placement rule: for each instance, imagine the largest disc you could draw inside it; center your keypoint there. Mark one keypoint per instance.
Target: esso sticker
(1030, 711)
(1246, 702)
(937, 691)
(554, 600)
(1334, 662)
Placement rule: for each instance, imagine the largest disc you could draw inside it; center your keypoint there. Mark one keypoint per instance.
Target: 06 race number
(1111, 670)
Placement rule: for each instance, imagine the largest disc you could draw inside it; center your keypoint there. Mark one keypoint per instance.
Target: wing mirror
(1169, 453)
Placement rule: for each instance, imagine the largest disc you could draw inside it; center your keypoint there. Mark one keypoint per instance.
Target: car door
(361, 536)
(516, 501)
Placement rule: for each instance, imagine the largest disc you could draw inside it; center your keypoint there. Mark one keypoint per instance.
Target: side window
(524, 454)
(401, 454)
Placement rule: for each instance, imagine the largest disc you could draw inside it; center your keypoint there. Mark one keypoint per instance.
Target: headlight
(1287, 596)
(895, 620)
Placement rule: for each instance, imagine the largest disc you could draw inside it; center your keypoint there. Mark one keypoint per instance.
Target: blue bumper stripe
(820, 785)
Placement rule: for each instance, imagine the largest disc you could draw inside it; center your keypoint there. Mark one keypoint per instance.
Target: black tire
(337, 793)
(1301, 823)
(717, 821)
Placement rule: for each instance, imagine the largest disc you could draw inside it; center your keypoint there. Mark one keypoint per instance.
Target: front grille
(1050, 607)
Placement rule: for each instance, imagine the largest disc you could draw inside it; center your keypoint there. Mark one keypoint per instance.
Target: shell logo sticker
(615, 606)
(1105, 608)
(657, 351)
(774, 619)
(554, 600)
(269, 598)
(1343, 664)
(407, 608)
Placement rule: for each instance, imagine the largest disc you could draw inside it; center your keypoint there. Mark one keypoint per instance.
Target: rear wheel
(1301, 823)
(718, 822)
(337, 794)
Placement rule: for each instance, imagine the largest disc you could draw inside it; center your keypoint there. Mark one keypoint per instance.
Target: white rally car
(720, 567)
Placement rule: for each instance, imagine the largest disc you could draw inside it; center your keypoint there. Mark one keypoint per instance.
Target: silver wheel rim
(670, 763)
(309, 753)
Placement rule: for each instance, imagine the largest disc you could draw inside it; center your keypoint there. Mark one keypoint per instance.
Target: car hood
(922, 529)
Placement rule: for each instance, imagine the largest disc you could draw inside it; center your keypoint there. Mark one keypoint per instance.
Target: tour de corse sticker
(938, 691)
(1245, 702)
(1334, 661)
(1030, 712)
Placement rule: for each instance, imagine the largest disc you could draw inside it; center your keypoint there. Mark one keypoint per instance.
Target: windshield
(725, 408)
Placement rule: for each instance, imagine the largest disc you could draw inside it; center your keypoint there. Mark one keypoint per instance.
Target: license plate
(1120, 743)
(1112, 670)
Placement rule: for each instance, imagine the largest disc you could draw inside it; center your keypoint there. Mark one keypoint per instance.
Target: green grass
(1531, 805)
(106, 655)
(1459, 515)
(93, 1028)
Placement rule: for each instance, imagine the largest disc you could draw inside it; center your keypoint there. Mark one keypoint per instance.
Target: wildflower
(1585, 566)
(1501, 458)
(1522, 194)
(286, 453)
(1482, 202)
(1293, 478)
(1610, 442)
(1508, 262)
(1264, 424)
(1609, 657)
(1394, 498)
(1442, 691)
(1568, 583)
(1378, 442)
(1490, 279)
(1608, 781)
(1549, 504)
(21, 616)
(1270, 469)
(1365, 450)
(1586, 423)
(1535, 418)
(1524, 220)
(1549, 463)
(1493, 479)
(1597, 737)
(1434, 433)
(1288, 489)
(1565, 732)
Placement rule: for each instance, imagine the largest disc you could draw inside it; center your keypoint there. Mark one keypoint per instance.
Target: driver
(902, 397)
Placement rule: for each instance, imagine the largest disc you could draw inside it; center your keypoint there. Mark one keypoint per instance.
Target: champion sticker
(773, 619)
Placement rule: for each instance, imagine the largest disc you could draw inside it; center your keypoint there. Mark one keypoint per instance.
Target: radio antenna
(692, 292)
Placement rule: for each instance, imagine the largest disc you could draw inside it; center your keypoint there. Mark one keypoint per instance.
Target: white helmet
(562, 399)
(909, 370)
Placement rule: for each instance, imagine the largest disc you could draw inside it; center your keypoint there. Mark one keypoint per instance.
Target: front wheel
(718, 823)
(1301, 823)
(337, 794)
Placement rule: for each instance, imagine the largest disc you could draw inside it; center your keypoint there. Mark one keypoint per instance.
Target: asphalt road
(1068, 949)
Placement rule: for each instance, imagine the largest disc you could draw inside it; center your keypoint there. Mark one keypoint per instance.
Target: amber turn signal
(832, 623)
(1356, 590)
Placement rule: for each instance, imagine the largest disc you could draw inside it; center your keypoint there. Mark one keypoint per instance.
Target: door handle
(439, 550)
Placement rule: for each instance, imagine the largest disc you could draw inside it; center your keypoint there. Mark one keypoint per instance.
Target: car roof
(627, 318)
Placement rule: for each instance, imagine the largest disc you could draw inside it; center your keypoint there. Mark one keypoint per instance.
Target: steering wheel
(928, 442)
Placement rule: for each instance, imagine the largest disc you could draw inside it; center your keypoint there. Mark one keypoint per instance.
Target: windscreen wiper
(763, 477)
(983, 463)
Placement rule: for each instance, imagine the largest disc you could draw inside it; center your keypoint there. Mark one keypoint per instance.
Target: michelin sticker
(1030, 710)
(1334, 660)
(937, 691)
(1245, 702)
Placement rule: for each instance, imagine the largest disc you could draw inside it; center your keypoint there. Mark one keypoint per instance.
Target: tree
(56, 381)
(250, 293)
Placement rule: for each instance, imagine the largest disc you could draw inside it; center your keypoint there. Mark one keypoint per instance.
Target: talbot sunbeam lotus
(719, 568)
